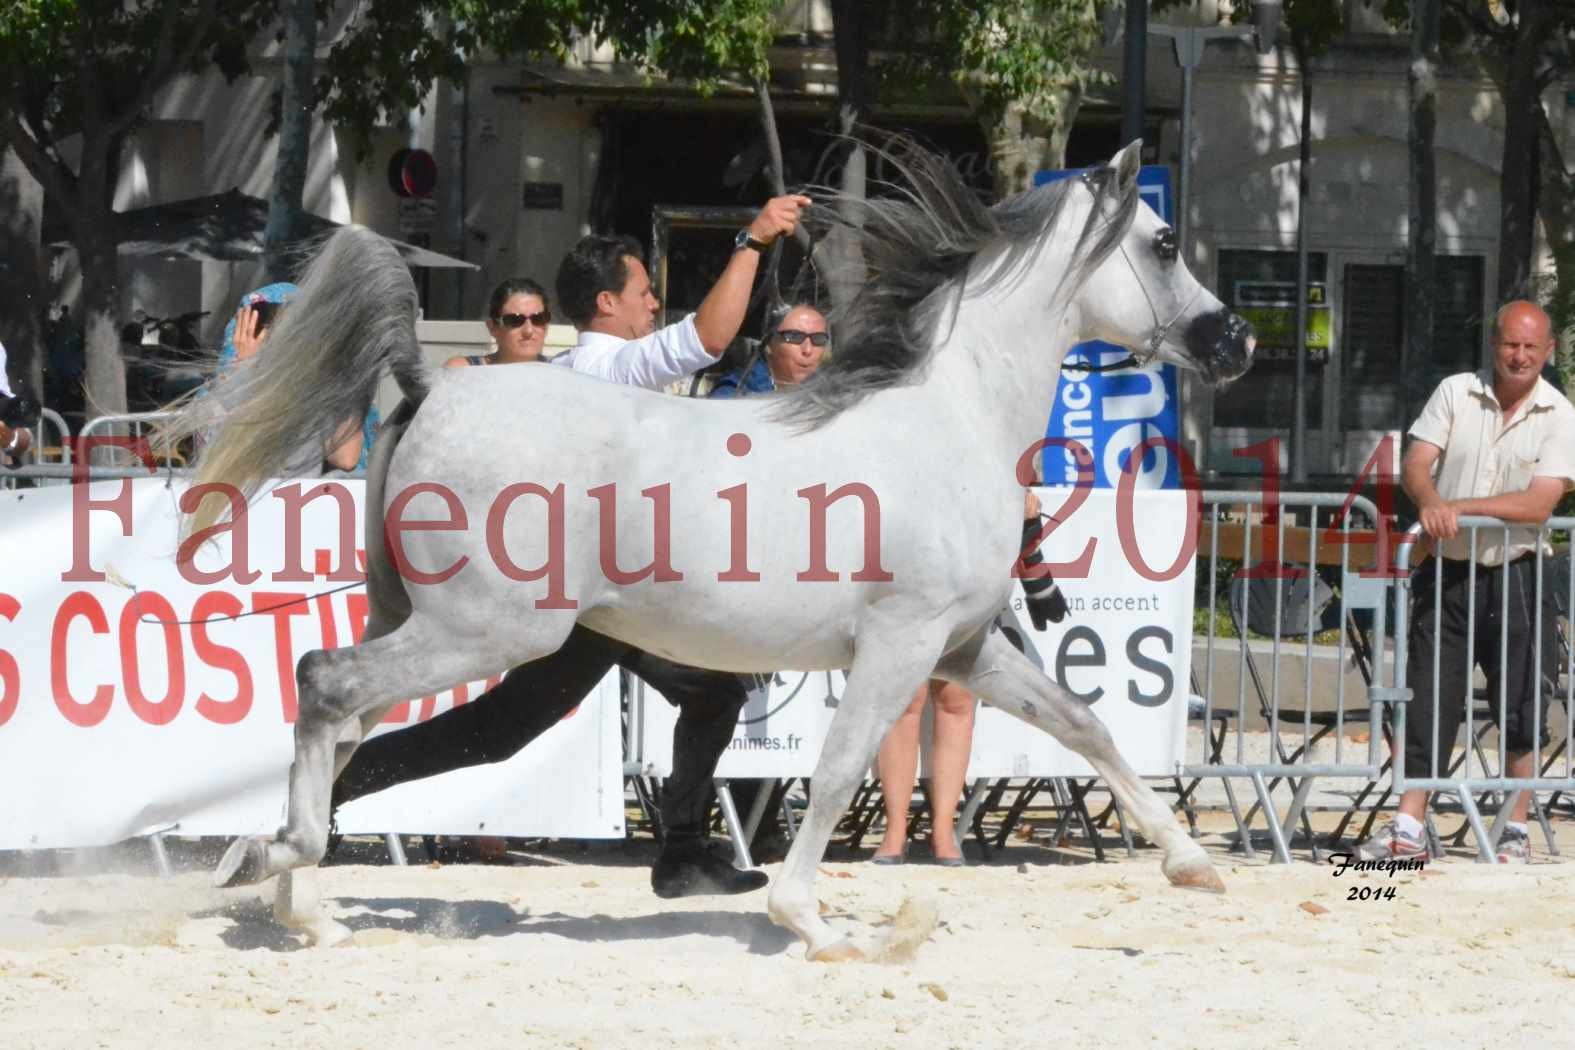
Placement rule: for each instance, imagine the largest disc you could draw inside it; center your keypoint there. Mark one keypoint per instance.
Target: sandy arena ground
(570, 948)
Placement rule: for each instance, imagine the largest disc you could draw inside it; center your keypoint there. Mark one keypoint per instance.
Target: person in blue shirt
(793, 352)
(792, 355)
(245, 334)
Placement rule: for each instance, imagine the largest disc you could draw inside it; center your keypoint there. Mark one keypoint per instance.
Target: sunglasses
(793, 337)
(540, 319)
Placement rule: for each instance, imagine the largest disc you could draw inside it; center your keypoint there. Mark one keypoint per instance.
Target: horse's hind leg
(992, 668)
(424, 655)
(885, 672)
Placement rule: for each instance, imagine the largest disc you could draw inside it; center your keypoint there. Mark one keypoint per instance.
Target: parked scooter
(164, 359)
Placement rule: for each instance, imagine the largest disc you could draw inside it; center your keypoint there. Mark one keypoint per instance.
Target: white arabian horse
(555, 489)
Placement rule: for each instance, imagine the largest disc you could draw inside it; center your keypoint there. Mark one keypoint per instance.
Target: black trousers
(534, 696)
(1515, 669)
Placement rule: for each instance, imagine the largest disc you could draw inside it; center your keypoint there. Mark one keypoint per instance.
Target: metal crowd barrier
(131, 424)
(47, 448)
(59, 448)
(1277, 729)
(54, 452)
(59, 469)
(1471, 774)
(1287, 564)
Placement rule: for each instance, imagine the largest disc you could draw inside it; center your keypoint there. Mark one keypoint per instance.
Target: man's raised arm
(721, 313)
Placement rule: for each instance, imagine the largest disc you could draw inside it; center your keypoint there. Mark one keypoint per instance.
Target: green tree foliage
(394, 50)
(1016, 54)
(1022, 67)
(1312, 24)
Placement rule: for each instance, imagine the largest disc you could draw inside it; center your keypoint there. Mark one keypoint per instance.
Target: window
(1374, 339)
(1261, 286)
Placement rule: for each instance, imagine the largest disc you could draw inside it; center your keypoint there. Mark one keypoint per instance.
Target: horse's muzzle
(1221, 343)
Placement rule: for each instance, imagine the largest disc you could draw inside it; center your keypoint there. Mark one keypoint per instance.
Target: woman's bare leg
(898, 766)
(954, 708)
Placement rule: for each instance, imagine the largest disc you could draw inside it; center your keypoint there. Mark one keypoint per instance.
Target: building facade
(531, 157)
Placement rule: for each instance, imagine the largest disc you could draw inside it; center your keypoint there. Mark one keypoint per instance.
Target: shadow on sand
(381, 920)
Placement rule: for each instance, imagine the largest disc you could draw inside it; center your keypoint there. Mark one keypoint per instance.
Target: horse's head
(1141, 294)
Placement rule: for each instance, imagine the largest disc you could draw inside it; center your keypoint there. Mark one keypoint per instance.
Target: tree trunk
(1518, 168)
(1556, 207)
(22, 275)
(1555, 189)
(1015, 152)
(1058, 135)
(1422, 220)
(105, 381)
(837, 256)
(1022, 144)
(295, 135)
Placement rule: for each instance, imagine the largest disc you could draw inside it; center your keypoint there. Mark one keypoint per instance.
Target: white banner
(114, 723)
(1125, 649)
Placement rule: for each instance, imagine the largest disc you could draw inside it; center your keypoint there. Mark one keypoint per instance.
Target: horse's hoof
(1195, 874)
(837, 952)
(325, 933)
(244, 863)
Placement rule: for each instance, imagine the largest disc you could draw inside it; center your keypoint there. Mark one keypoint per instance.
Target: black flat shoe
(694, 871)
(889, 858)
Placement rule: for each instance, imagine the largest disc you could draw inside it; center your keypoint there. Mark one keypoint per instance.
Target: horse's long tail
(274, 414)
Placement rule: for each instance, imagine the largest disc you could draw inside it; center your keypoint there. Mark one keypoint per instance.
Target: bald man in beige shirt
(1495, 443)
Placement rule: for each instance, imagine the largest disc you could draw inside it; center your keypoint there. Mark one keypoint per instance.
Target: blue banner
(1112, 413)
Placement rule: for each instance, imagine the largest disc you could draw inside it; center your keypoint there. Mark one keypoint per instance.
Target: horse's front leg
(991, 668)
(886, 670)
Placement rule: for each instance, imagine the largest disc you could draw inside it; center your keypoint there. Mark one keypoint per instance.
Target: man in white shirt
(1495, 443)
(14, 437)
(605, 290)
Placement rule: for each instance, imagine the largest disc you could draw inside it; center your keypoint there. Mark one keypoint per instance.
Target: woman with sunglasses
(517, 320)
(791, 357)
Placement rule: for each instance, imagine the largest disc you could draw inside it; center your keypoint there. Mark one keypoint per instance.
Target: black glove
(1046, 603)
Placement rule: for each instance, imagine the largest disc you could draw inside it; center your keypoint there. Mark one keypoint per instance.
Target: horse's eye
(1165, 244)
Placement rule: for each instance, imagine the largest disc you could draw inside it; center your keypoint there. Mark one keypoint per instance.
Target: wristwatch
(744, 240)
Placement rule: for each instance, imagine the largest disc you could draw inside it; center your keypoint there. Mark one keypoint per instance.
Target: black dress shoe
(693, 871)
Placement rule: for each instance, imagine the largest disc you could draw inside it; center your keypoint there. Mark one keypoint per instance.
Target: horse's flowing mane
(917, 244)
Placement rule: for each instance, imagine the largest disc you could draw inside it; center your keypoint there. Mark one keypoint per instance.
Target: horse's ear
(1127, 164)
